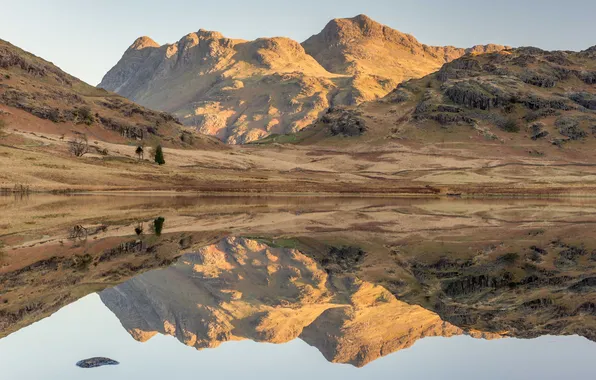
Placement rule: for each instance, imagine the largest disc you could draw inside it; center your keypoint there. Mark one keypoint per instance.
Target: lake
(263, 287)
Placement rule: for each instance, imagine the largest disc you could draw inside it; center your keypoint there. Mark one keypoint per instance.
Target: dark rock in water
(96, 362)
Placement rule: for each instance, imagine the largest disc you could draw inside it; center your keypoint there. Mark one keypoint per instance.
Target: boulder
(347, 124)
(96, 362)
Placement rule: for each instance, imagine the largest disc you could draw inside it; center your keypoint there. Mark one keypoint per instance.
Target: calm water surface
(327, 289)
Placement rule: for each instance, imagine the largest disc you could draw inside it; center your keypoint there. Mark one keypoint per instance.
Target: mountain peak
(142, 43)
(359, 31)
(210, 34)
(362, 18)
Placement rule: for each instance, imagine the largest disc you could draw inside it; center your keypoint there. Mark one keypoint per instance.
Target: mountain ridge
(242, 91)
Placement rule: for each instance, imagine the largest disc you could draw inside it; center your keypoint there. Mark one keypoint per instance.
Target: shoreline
(561, 193)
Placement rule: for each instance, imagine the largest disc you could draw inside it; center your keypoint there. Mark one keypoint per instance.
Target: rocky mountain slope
(30, 85)
(244, 289)
(241, 91)
(525, 95)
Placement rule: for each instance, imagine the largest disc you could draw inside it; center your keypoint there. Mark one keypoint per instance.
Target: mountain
(32, 89)
(244, 289)
(241, 91)
(236, 90)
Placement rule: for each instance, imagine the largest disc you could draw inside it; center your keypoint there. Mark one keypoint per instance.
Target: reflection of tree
(139, 229)
(158, 225)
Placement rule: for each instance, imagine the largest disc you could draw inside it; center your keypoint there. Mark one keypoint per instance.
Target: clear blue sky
(87, 37)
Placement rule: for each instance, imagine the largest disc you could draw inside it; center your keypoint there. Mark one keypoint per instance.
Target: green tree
(159, 155)
(158, 225)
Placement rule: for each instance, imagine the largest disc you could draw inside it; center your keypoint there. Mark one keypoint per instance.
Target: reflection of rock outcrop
(244, 289)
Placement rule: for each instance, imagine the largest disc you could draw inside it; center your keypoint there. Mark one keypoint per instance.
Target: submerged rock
(96, 362)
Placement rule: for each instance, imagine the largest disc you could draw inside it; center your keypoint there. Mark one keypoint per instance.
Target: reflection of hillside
(244, 289)
(524, 282)
(42, 278)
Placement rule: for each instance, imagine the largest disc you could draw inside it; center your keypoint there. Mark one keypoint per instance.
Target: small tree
(79, 145)
(159, 155)
(140, 152)
(158, 225)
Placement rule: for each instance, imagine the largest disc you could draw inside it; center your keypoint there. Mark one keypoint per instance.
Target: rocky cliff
(241, 91)
(236, 90)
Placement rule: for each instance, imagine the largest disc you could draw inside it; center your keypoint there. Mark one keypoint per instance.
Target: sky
(86, 37)
(50, 348)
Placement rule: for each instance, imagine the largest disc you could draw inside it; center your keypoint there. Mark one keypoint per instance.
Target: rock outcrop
(379, 55)
(237, 90)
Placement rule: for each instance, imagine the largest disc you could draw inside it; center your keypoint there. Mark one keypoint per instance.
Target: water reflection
(245, 289)
(355, 280)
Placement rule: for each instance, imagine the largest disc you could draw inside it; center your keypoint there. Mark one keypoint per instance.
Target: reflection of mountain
(244, 289)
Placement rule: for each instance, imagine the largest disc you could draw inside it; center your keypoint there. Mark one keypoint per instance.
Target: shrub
(159, 155)
(54, 115)
(139, 152)
(85, 115)
(509, 258)
(510, 125)
(569, 127)
(79, 145)
(2, 126)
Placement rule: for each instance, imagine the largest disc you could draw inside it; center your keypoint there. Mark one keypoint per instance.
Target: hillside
(40, 97)
(513, 100)
(242, 91)
(236, 90)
